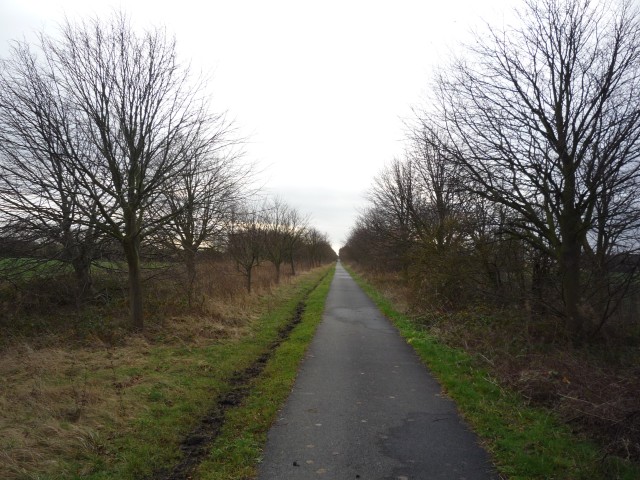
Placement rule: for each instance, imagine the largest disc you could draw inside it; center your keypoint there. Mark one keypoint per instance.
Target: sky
(320, 90)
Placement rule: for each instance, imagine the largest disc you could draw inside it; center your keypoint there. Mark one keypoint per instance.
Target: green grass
(25, 269)
(180, 386)
(525, 442)
(20, 269)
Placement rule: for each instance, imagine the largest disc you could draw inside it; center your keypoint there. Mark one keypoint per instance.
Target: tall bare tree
(246, 239)
(545, 119)
(41, 198)
(130, 118)
(395, 201)
(318, 247)
(438, 215)
(285, 227)
(297, 228)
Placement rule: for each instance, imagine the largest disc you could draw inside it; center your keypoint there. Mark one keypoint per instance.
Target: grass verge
(237, 451)
(525, 442)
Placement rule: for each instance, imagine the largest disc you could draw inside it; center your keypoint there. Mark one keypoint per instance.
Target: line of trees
(520, 180)
(275, 232)
(106, 140)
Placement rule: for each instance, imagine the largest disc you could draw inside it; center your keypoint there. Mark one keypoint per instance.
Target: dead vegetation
(73, 377)
(54, 402)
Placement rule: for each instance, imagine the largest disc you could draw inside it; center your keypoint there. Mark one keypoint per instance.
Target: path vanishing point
(364, 406)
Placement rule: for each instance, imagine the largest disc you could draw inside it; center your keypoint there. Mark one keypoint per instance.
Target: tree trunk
(537, 295)
(78, 252)
(84, 282)
(293, 268)
(569, 252)
(132, 253)
(570, 277)
(190, 264)
(249, 270)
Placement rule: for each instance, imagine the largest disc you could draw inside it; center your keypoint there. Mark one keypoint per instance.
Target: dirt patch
(195, 446)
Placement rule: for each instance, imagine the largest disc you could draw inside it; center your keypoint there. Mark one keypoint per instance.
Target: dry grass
(54, 402)
(64, 389)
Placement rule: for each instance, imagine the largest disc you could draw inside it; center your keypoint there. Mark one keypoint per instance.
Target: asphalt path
(364, 407)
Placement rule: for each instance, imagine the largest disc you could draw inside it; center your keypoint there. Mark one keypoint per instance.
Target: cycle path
(365, 407)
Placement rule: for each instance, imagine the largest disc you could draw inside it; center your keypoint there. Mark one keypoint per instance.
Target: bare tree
(284, 229)
(40, 140)
(394, 199)
(129, 117)
(202, 201)
(545, 120)
(439, 214)
(318, 246)
(246, 239)
(372, 241)
(297, 228)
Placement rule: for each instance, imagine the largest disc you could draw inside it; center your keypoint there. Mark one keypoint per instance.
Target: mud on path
(195, 446)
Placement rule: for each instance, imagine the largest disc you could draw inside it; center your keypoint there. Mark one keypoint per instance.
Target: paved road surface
(364, 407)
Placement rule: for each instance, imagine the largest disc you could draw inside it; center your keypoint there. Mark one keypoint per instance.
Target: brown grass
(54, 402)
(62, 371)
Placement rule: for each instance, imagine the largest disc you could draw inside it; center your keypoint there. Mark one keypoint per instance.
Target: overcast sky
(320, 88)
